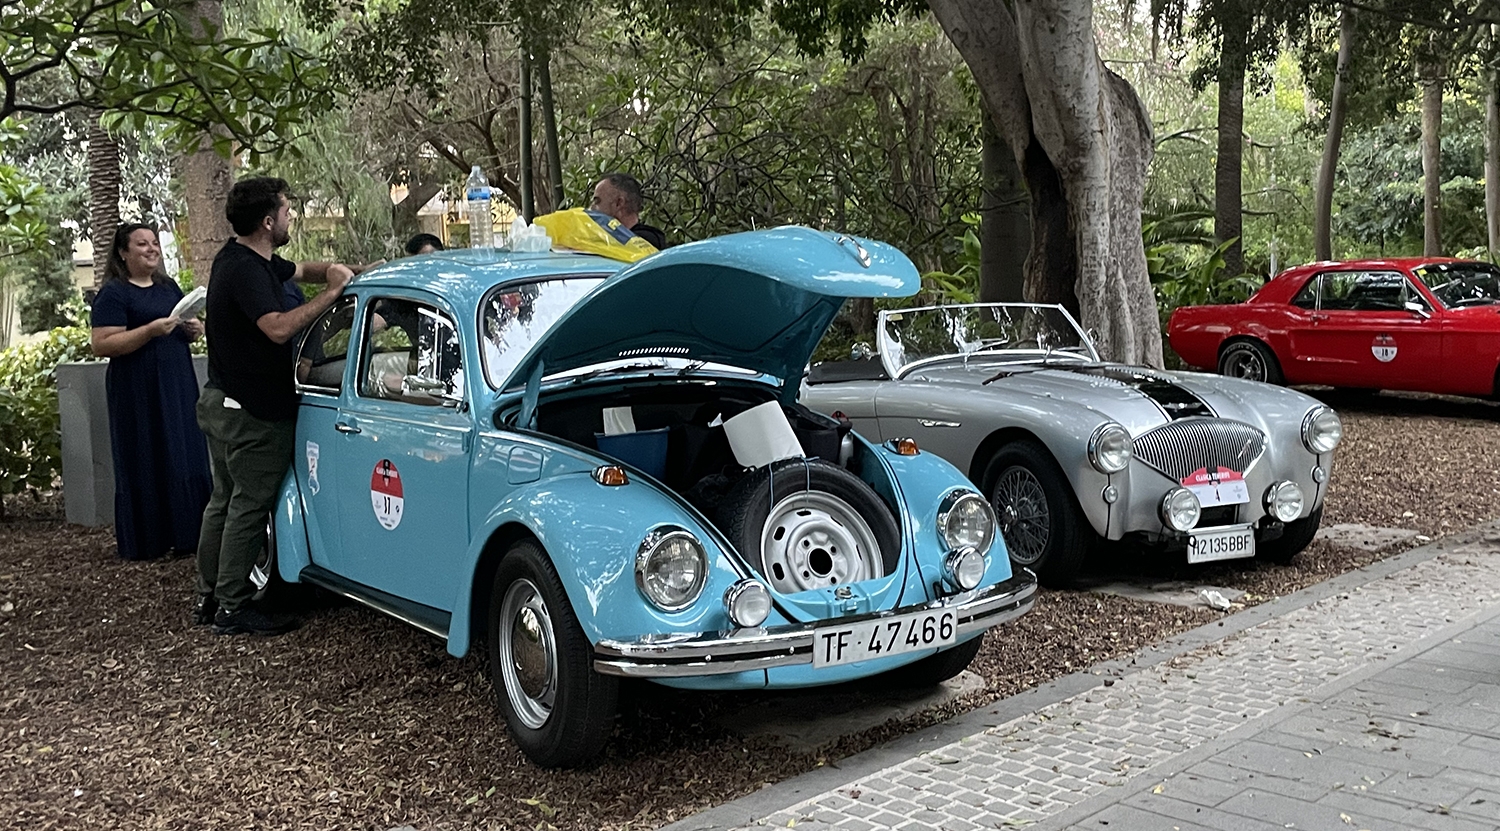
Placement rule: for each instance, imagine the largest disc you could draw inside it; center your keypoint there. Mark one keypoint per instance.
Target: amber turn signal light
(906, 446)
(611, 476)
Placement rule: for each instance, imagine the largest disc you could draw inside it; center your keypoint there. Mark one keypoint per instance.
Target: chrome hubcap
(528, 654)
(1025, 521)
(813, 539)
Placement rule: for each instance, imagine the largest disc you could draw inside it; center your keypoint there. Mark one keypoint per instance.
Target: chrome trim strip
(720, 653)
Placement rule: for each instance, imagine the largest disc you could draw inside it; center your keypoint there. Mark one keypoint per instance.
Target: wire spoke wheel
(1025, 520)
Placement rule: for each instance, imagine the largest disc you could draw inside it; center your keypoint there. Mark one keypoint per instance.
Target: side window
(324, 352)
(1378, 291)
(1337, 288)
(412, 354)
(1308, 297)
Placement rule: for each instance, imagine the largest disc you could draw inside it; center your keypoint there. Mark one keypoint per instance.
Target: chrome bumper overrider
(719, 653)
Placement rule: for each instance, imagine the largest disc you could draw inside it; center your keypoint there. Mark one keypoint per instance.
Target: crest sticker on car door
(1384, 348)
(385, 494)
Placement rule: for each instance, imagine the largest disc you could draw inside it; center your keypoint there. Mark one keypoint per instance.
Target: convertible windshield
(1462, 284)
(1003, 331)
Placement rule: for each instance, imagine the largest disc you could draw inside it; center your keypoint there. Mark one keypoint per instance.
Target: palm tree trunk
(1337, 109)
(206, 177)
(1228, 168)
(104, 194)
(1432, 70)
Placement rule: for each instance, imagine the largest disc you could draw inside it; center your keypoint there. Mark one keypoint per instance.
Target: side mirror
(1417, 309)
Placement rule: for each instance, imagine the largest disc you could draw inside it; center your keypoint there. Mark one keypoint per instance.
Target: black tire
(935, 669)
(565, 718)
(1297, 535)
(1041, 522)
(746, 509)
(1251, 360)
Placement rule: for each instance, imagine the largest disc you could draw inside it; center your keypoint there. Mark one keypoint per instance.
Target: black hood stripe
(1173, 399)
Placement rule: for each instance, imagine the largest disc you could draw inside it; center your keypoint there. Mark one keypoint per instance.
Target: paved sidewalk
(1370, 701)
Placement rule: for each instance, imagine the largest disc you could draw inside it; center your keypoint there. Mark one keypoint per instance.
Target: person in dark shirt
(620, 196)
(248, 409)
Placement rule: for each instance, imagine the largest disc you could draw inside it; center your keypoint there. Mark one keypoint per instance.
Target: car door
(322, 377)
(1363, 335)
(403, 459)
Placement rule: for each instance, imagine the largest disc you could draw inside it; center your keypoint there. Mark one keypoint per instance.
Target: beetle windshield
(516, 317)
(1462, 284)
(998, 331)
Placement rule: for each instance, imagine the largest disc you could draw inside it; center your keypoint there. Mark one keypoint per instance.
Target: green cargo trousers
(249, 458)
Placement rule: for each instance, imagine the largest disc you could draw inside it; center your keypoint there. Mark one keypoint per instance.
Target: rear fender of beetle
(593, 550)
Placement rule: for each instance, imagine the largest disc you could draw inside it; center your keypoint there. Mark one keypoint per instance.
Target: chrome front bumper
(720, 653)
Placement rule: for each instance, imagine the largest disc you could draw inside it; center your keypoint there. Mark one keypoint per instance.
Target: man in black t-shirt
(620, 196)
(248, 409)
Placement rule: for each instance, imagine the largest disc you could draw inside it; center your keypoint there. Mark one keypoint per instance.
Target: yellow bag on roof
(594, 232)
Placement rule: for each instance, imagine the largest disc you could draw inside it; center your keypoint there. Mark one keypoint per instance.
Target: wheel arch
(1254, 338)
(500, 540)
(980, 463)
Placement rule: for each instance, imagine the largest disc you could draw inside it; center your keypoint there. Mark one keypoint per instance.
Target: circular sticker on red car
(385, 494)
(1384, 348)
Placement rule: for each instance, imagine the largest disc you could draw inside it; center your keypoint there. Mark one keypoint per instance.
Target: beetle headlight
(671, 568)
(1321, 430)
(1180, 509)
(1109, 448)
(966, 520)
(964, 568)
(747, 603)
(1283, 500)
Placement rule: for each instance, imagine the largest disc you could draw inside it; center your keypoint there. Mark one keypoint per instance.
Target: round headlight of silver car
(671, 568)
(1322, 430)
(747, 603)
(1180, 509)
(1110, 448)
(966, 520)
(1283, 500)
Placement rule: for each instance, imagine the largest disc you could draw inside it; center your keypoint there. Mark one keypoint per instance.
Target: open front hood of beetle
(758, 300)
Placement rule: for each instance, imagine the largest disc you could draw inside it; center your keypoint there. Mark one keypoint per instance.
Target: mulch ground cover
(116, 713)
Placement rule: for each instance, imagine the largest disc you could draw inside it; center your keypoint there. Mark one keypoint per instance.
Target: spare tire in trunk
(809, 525)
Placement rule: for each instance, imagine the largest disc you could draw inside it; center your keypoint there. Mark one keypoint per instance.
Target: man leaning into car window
(248, 409)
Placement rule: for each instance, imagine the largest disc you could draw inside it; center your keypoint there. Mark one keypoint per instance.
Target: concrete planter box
(88, 465)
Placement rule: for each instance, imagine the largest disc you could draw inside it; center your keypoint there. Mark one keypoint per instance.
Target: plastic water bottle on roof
(481, 225)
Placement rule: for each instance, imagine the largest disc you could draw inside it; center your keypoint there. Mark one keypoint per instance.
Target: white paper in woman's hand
(191, 305)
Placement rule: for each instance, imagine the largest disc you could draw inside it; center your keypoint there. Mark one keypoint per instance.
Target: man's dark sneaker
(251, 621)
(204, 611)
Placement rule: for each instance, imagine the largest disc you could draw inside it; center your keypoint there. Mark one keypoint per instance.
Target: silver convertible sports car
(1072, 450)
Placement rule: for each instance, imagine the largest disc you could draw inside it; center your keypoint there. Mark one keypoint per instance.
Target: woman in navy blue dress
(162, 479)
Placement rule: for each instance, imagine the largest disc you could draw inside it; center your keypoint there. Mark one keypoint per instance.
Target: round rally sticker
(385, 494)
(1384, 348)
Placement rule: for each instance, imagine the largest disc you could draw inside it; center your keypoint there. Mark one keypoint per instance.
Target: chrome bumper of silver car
(720, 653)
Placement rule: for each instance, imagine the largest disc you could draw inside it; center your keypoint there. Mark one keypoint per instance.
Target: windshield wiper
(609, 370)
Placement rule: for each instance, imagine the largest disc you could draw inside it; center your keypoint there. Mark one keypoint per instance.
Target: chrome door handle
(345, 428)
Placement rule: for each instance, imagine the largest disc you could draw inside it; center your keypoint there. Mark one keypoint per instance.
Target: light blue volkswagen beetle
(601, 472)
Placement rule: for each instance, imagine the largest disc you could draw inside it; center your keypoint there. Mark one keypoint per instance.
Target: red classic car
(1426, 324)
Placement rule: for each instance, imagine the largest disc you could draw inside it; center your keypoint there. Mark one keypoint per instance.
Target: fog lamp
(964, 568)
(1180, 509)
(1283, 500)
(747, 603)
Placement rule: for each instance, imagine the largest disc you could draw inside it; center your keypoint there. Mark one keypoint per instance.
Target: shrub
(30, 442)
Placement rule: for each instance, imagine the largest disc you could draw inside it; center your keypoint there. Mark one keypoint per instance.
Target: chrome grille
(1179, 448)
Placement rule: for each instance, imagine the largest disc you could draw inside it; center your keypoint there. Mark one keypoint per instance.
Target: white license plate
(1212, 495)
(883, 637)
(1229, 544)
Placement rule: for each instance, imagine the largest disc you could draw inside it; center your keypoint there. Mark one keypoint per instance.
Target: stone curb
(773, 798)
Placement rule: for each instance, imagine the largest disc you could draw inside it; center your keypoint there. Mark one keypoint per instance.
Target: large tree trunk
(1432, 71)
(1082, 139)
(1005, 226)
(1229, 165)
(1492, 154)
(206, 177)
(1337, 109)
(104, 194)
(528, 201)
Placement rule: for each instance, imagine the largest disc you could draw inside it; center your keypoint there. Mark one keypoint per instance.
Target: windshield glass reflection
(998, 331)
(1462, 284)
(516, 318)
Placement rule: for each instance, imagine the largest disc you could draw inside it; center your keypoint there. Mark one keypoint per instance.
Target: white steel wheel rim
(1247, 364)
(528, 654)
(1025, 518)
(812, 540)
(260, 572)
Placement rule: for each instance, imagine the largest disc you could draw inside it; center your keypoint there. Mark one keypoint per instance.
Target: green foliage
(46, 282)
(1186, 266)
(30, 444)
(961, 285)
